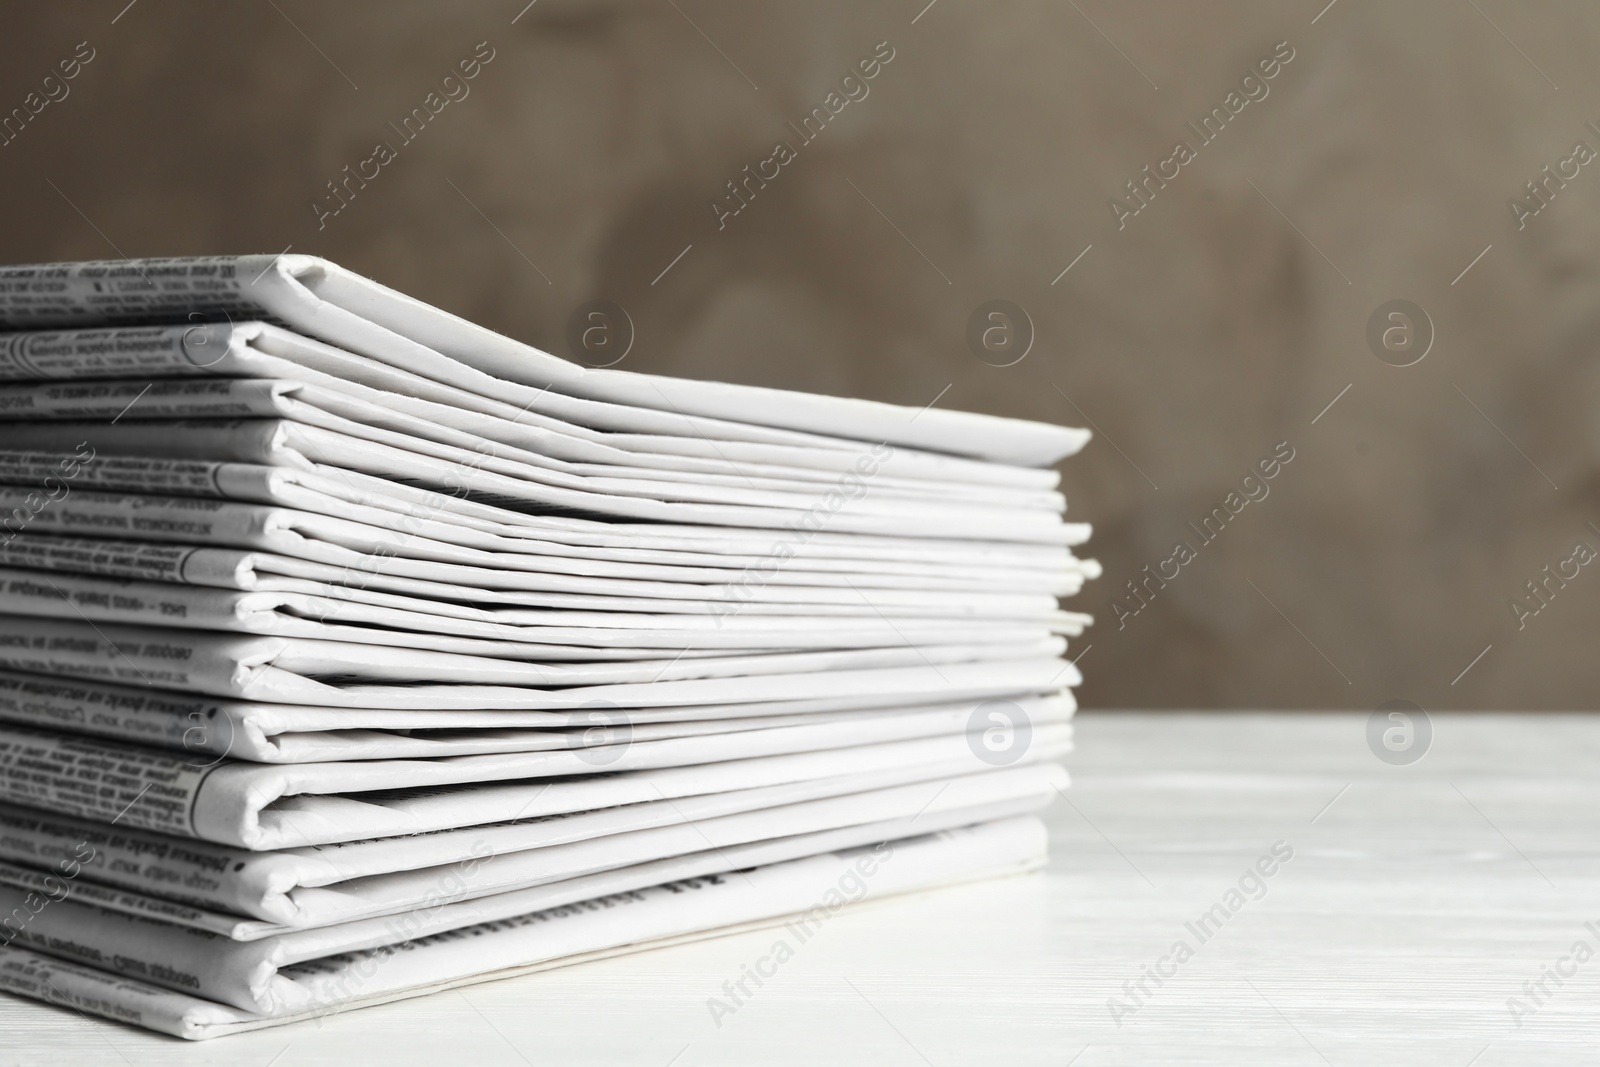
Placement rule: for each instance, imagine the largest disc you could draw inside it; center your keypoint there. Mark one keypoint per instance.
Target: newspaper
(185, 957)
(294, 670)
(327, 592)
(258, 892)
(278, 388)
(51, 476)
(306, 535)
(352, 656)
(323, 301)
(734, 607)
(237, 351)
(385, 581)
(325, 561)
(207, 728)
(187, 519)
(153, 355)
(438, 433)
(297, 616)
(443, 903)
(853, 508)
(582, 919)
(320, 887)
(266, 806)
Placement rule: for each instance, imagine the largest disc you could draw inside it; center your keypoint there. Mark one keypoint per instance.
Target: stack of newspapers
(350, 651)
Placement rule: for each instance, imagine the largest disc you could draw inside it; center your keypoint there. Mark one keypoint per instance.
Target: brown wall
(1197, 337)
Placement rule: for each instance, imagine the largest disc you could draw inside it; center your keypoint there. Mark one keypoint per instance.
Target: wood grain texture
(1417, 901)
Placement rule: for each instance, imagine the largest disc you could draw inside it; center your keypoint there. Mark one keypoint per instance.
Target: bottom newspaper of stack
(177, 886)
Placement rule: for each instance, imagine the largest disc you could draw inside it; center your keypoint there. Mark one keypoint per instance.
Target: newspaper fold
(209, 728)
(269, 806)
(145, 518)
(214, 887)
(324, 301)
(806, 892)
(50, 476)
(293, 670)
(480, 472)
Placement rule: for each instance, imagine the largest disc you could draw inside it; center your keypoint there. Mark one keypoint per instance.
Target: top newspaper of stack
(323, 301)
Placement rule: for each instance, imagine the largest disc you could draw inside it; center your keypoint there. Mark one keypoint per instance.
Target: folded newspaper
(350, 651)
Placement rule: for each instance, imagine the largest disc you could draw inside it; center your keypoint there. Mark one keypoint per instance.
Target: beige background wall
(1218, 322)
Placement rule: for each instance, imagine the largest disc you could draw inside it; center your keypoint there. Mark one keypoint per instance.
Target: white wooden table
(1419, 899)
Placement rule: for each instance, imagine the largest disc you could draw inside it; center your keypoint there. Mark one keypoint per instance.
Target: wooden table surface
(1416, 904)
